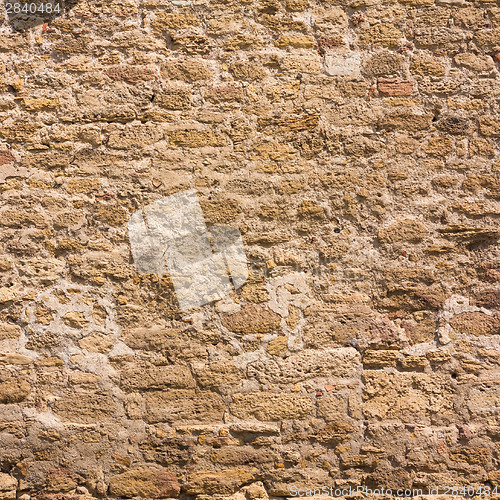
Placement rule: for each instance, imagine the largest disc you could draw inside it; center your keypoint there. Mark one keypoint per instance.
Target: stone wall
(354, 143)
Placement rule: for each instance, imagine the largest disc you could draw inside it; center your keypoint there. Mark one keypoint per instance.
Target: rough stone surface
(355, 145)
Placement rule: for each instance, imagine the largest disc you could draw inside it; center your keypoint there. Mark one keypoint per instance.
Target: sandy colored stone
(144, 482)
(475, 323)
(269, 406)
(187, 405)
(252, 319)
(408, 230)
(222, 482)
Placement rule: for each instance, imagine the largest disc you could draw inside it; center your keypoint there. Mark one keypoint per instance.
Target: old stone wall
(354, 143)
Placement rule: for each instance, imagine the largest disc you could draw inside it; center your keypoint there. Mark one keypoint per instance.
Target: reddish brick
(394, 87)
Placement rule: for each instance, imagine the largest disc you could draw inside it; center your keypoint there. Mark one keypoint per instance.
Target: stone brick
(141, 377)
(489, 125)
(85, 406)
(383, 35)
(343, 64)
(301, 63)
(131, 74)
(165, 21)
(475, 323)
(174, 98)
(194, 138)
(394, 87)
(174, 405)
(308, 364)
(475, 62)
(423, 65)
(405, 396)
(383, 63)
(270, 406)
(145, 482)
(438, 146)
(187, 70)
(216, 482)
(14, 387)
(252, 319)
(405, 120)
(298, 42)
(407, 230)
(8, 487)
(248, 70)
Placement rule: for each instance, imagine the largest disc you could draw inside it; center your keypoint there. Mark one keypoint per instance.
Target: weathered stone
(85, 406)
(407, 230)
(252, 319)
(8, 487)
(475, 323)
(216, 482)
(269, 406)
(187, 405)
(394, 87)
(145, 482)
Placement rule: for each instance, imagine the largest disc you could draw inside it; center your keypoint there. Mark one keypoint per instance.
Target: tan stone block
(131, 74)
(85, 406)
(174, 405)
(195, 138)
(114, 215)
(19, 131)
(473, 455)
(176, 98)
(407, 230)
(8, 487)
(277, 346)
(252, 318)
(216, 374)
(220, 211)
(223, 482)
(9, 331)
(301, 63)
(424, 65)
(145, 376)
(14, 359)
(225, 93)
(165, 21)
(86, 185)
(187, 70)
(97, 342)
(40, 103)
(380, 358)
(438, 146)
(384, 35)
(145, 482)
(406, 396)
(405, 120)
(296, 5)
(479, 146)
(14, 387)
(134, 136)
(489, 125)
(298, 42)
(289, 124)
(248, 70)
(75, 319)
(476, 323)
(191, 43)
(243, 41)
(475, 62)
